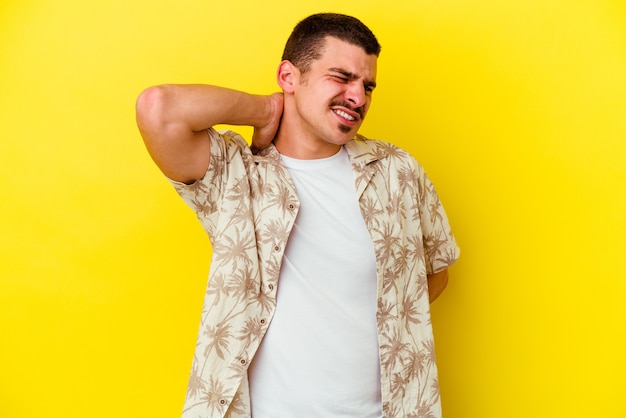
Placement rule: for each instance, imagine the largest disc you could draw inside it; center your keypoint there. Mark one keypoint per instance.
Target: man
(327, 246)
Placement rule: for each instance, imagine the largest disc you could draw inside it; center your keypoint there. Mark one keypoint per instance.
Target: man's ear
(287, 76)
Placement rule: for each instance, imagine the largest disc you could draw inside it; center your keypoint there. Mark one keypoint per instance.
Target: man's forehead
(338, 54)
(333, 43)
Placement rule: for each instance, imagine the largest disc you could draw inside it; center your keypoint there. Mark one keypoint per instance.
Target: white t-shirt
(319, 357)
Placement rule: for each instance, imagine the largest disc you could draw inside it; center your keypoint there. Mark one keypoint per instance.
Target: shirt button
(276, 248)
(243, 361)
(291, 206)
(270, 286)
(222, 401)
(262, 321)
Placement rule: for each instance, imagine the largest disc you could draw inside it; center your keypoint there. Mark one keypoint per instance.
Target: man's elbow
(150, 108)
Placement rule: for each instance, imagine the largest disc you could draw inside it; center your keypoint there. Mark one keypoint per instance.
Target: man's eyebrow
(342, 72)
(351, 76)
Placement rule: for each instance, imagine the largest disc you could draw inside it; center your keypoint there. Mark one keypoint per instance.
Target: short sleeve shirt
(247, 204)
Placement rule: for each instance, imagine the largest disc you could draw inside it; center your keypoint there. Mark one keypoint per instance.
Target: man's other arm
(436, 284)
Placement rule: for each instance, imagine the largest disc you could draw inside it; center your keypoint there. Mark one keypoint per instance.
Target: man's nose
(356, 94)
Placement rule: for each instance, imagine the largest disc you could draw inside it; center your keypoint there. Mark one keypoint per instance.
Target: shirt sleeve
(440, 247)
(204, 195)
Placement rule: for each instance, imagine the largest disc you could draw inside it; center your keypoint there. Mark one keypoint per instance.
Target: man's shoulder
(230, 146)
(230, 139)
(362, 147)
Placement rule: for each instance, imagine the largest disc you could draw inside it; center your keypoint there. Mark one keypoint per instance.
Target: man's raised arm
(172, 120)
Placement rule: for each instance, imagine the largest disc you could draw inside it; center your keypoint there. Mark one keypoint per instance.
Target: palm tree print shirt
(247, 204)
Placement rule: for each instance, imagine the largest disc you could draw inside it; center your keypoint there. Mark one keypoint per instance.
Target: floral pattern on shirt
(248, 204)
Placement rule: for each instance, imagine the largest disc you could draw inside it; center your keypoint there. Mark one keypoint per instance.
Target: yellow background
(517, 110)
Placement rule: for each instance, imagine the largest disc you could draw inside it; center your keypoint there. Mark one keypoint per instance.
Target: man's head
(327, 75)
(308, 37)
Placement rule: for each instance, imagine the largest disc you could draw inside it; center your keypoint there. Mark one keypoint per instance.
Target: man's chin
(347, 130)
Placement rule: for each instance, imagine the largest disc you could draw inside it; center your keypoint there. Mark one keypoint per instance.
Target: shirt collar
(361, 151)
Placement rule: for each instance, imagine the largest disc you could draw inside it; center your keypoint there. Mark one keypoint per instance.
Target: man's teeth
(344, 115)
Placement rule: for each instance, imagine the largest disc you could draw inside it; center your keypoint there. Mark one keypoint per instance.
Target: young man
(327, 246)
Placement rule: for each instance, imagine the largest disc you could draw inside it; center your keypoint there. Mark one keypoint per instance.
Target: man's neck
(291, 142)
(301, 150)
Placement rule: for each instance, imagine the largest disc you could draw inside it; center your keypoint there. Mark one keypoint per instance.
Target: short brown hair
(307, 39)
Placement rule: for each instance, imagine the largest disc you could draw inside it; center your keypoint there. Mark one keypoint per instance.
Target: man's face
(333, 97)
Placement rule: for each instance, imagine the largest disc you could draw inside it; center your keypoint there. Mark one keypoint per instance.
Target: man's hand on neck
(264, 135)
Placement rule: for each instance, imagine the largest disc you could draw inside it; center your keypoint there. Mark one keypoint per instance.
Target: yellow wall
(516, 109)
